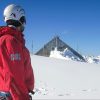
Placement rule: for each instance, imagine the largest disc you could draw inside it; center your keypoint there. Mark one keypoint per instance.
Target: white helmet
(15, 13)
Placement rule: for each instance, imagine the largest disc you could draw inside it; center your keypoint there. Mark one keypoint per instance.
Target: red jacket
(16, 74)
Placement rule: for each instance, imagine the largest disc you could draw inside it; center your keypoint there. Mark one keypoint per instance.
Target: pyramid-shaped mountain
(61, 46)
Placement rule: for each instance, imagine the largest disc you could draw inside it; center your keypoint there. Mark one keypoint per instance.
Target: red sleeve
(29, 76)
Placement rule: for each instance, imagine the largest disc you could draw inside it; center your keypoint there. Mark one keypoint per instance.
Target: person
(16, 73)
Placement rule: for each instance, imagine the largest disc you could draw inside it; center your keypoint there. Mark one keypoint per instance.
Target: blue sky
(77, 22)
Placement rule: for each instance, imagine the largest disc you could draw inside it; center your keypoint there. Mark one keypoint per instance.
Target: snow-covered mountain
(68, 55)
(65, 79)
(92, 59)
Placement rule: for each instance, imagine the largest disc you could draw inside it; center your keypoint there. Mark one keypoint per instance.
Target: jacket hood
(12, 31)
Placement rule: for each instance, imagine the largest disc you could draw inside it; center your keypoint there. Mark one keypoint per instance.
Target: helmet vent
(14, 15)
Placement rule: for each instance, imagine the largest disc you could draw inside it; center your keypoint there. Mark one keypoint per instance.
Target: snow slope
(62, 79)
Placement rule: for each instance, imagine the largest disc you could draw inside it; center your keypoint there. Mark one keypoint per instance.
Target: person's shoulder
(2, 27)
(7, 38)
